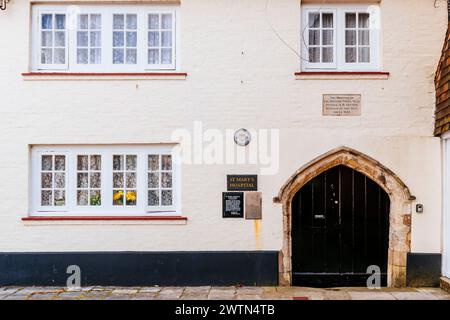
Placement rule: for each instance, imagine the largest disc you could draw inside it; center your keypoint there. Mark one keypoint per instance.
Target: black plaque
(233, 205)
(245, 182)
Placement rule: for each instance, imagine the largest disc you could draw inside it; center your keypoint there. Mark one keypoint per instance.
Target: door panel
(331, 230)
(359, 224)
(340, 226)
(347, 218)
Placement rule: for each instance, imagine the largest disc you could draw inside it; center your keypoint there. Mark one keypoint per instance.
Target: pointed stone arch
(400, 210)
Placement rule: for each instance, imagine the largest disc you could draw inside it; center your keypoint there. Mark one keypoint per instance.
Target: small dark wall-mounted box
(232, 204)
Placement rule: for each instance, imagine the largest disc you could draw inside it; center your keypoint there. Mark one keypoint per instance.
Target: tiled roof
(442, 82)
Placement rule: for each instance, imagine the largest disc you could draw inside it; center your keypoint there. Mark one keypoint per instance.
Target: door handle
(319, 216)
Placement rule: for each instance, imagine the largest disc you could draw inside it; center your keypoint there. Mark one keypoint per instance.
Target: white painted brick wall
(225, 89)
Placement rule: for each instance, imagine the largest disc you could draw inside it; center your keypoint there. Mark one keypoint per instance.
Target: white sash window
(161, 39)
(321, 37)
(340, 38)
(89, 39)
(104, 180)
(89, 180)
(51, 181)
(104, 38)
(160, 181)
(52, 39)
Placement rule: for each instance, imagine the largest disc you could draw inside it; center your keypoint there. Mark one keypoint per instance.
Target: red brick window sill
(105, 218)
(332, 73)
(342, 75)
(89, 74)
(104, 76)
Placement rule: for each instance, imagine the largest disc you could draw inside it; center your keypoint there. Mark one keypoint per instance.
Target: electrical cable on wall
(276, 32)
(299, 55)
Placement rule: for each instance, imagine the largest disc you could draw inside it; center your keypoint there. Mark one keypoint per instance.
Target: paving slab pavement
(149, 289)
(196, 290)
(125, 291)
(413, 296)
(144, 296)
(249, 291)
(219, 293)
(363, 295)
(201, 296)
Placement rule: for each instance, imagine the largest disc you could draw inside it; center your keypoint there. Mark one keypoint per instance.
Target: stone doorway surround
(400, 210)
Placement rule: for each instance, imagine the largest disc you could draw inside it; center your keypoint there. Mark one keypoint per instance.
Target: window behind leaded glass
(124, 180)
(53, 39)
(103, 180)
(89, 180)
(53, 180)
(160, 180)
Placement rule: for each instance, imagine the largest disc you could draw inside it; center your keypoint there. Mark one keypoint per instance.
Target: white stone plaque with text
(341, 105)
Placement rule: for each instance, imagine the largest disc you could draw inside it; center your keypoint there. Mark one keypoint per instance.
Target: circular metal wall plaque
(242, 137)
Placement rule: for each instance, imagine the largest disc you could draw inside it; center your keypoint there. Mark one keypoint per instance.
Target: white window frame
(37, 36)
(88, 172)
(160, 188)
(125, 30)
(107, 11)
(106, 208)
(339, 63)
(305, 33)
(173, 30)
(89, 30)
(36, 184)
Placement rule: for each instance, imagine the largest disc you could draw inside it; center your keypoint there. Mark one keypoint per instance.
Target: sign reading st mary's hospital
(242, 182)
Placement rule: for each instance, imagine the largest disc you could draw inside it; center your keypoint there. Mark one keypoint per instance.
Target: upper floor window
(89, 39)
(340, 38)
(104, 38)
(104, 180)
(52, 38)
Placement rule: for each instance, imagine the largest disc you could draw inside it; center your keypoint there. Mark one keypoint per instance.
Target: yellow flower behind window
(131, 196)
(118, 195)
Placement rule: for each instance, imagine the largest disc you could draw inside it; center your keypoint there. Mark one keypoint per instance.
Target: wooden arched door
(340, 227)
